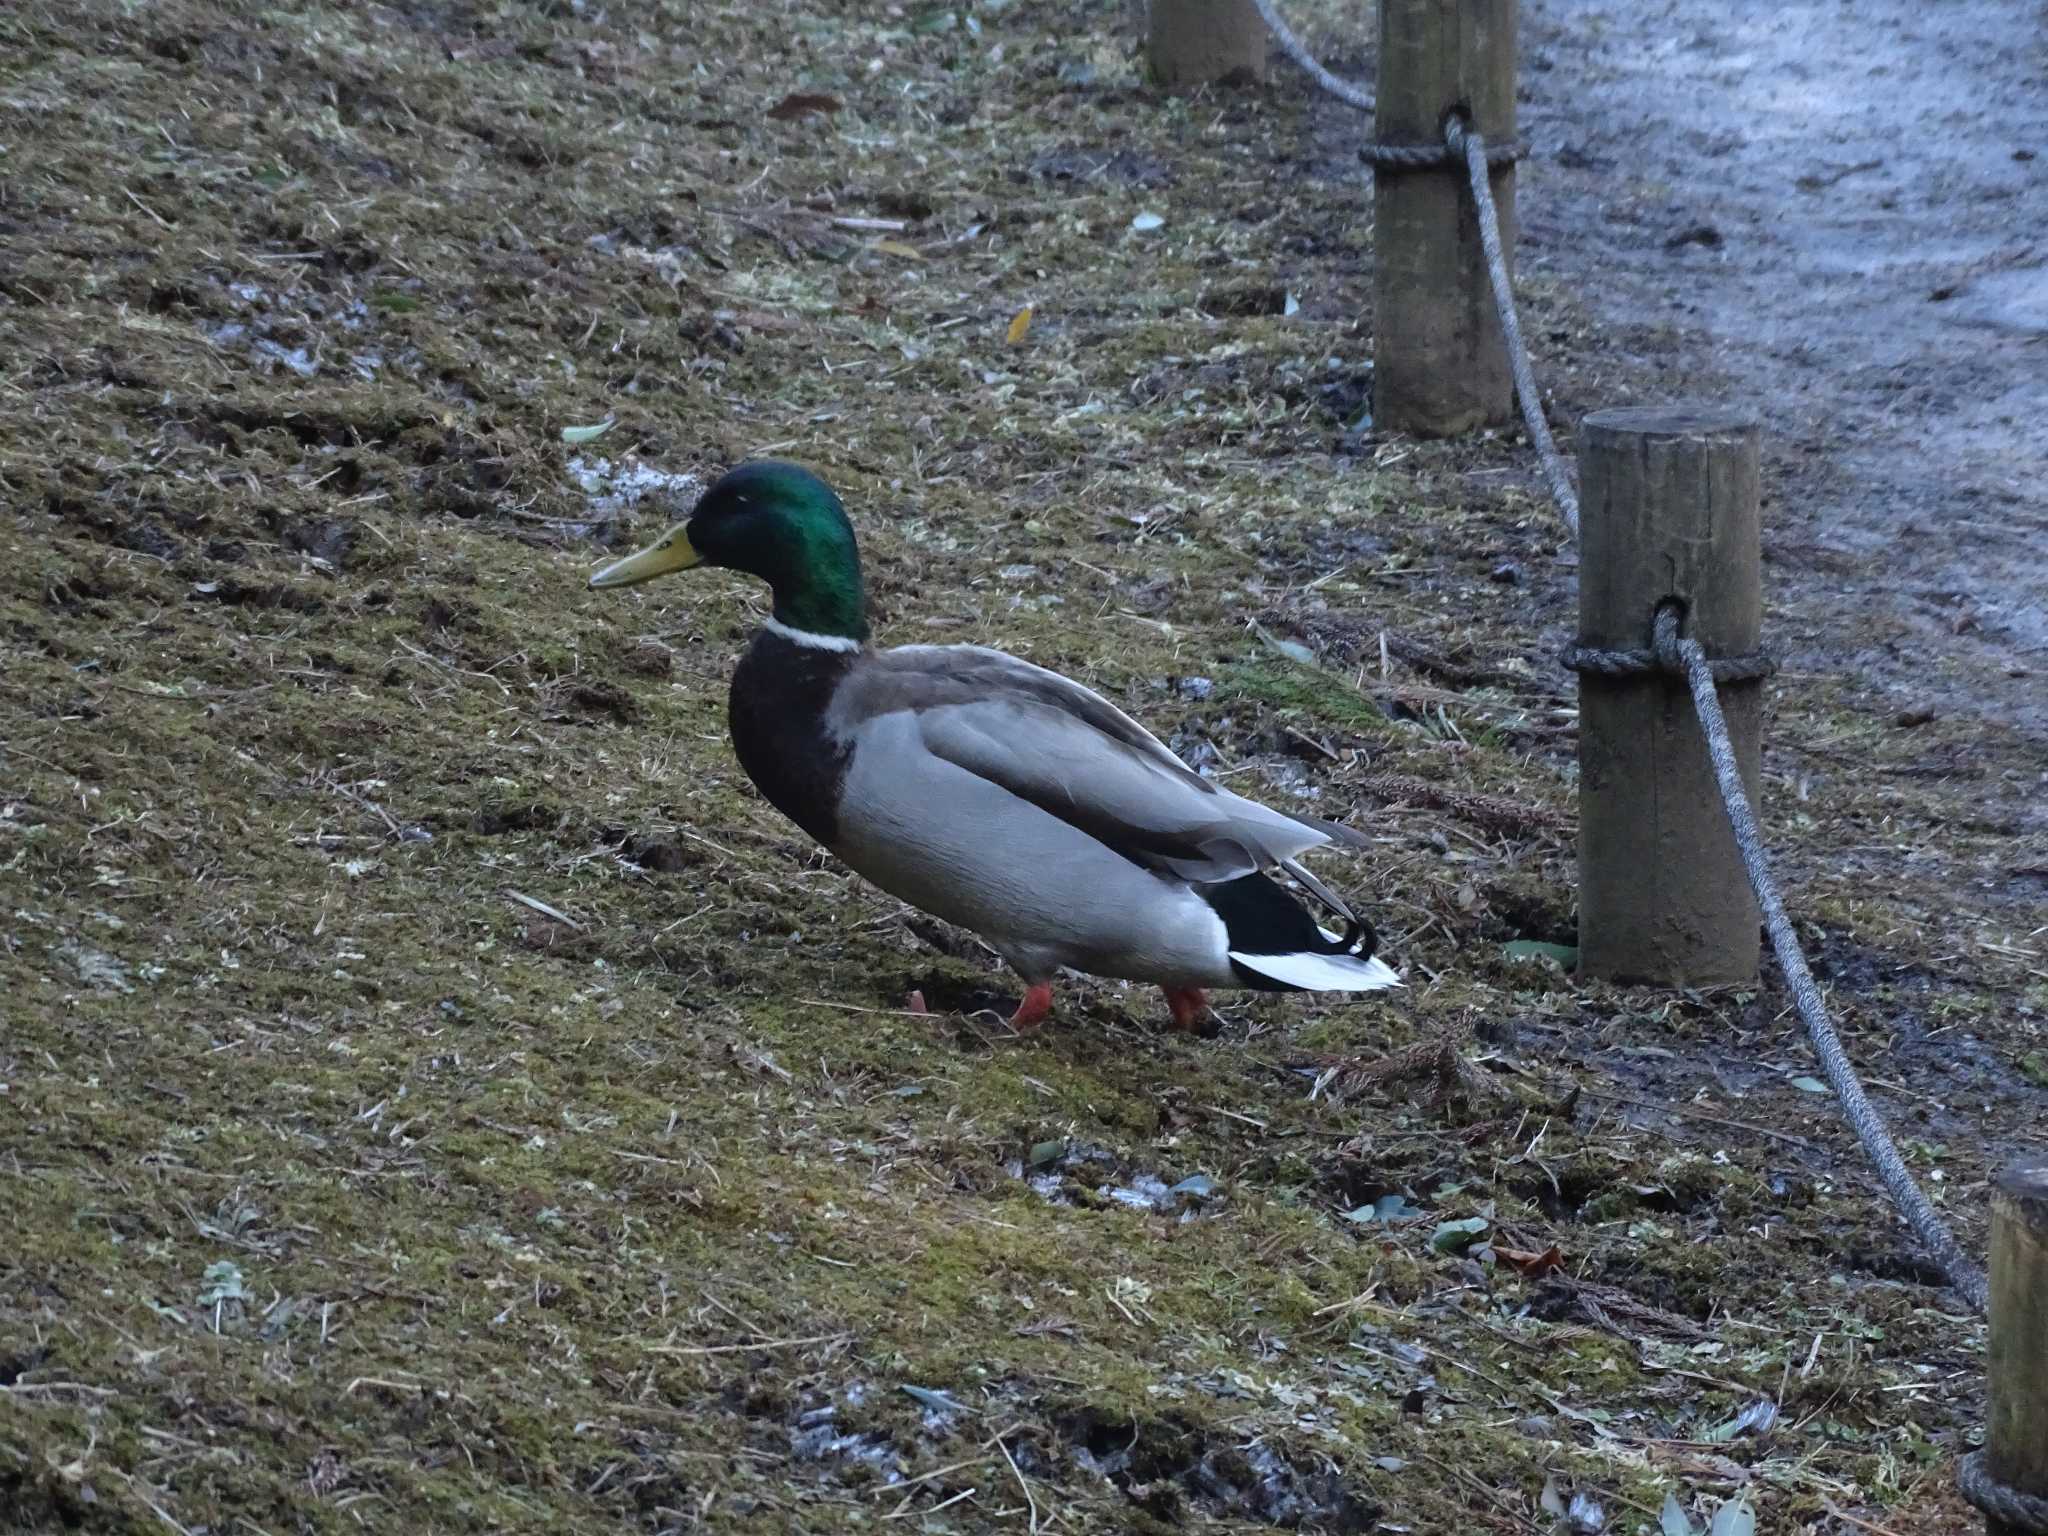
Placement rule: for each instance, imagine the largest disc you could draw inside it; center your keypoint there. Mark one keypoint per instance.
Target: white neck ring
(809, 638)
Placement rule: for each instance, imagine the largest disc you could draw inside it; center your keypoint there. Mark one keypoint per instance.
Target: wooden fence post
(1197, 42)
(1439, 364)
(1668, 510)
(2016, 1446)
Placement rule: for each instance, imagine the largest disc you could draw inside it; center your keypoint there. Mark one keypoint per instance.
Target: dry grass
(437, 1094)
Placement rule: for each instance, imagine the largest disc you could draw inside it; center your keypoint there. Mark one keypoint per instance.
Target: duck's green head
(776, 521)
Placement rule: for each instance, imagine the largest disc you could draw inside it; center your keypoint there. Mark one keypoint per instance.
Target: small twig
(1842, 1514)
(1310, 741)
(135, 1487)
(1014, 1472)
(1231, 1114)
(936, 1472)
(381, 1381)
(649, 1157)
(887, 1013)
(369, 805)
(735, 1349)
(1701, 1114)
(1494, 812)
(542, 908)
(138, 202)
(964, 1493)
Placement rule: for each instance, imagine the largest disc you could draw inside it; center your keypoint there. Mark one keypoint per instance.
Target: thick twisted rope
(1684, 656)
(1464, 140)
(1384, 157)
(2022, 1511)
(1291, 45)
(1752, 668)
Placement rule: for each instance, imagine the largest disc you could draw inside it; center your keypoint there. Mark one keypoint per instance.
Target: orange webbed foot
(1190, 1007)
(1032, 1011)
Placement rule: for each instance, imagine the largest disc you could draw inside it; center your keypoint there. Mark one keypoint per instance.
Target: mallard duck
(996, 794)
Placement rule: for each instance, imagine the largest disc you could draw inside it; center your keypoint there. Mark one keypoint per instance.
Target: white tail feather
(1322, 973)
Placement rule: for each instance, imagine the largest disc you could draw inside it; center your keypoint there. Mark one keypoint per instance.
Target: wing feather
(1065, 749)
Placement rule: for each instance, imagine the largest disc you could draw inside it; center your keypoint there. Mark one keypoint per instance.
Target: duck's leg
(1190, 1006)
(1036, 1005)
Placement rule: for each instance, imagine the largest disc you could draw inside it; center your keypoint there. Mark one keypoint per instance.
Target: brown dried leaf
(1534, 1265)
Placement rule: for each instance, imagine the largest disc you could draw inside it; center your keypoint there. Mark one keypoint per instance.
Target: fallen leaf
(1020, 326)
(1059, 1325)
(1809, 1085)
(1144, 223)
(937, 1402)
(1759, 1416)
(1533, 1264)
(1386, 1208)
(898, 248)
(1672, 1520)
(803, 104)
(1457, 1236)
(576, 436)
(1735, 1518)
(223, 1283)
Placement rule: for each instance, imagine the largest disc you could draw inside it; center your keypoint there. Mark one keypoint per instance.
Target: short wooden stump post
(1668, 511)
(2016, 1446)
(1440, 365)
(1198, 42)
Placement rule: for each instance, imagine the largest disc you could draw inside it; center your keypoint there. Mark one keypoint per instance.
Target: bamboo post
(1439, 364)
(1668, 510)
(2016, 1448)
(1198, 42)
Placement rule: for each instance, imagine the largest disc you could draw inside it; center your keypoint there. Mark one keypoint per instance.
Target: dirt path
(1841, 213)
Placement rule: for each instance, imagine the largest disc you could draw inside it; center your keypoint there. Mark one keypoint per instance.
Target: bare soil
(436, 1094)
(1834, 214)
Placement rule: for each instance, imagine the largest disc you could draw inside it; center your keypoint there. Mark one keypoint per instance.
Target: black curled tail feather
(1260, 918)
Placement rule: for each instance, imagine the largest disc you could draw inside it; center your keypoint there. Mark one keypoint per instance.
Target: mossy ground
(437, 1094)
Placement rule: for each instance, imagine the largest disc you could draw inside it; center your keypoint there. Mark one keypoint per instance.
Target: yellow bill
(670, 552)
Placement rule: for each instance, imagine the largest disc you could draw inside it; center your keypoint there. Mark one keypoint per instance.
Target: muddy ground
(437, 1094)
(1836, 215)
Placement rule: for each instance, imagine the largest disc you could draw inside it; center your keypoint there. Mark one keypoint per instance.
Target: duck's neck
(822, 603)
(780, 692)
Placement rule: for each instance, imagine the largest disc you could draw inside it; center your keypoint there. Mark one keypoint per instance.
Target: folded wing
(1068, 751)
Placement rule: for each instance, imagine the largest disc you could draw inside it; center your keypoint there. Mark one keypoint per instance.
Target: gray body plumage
(1021, 805)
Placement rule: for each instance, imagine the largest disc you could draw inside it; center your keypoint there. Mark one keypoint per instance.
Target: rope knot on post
(1664, 636)
(1662, 657)
(1389, 158)
(2000, 1501)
